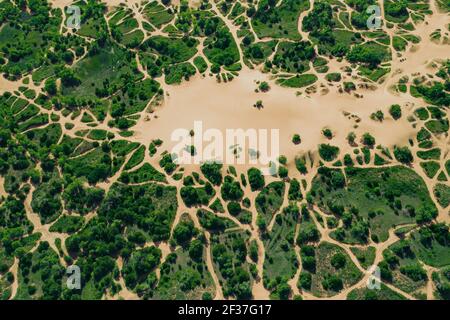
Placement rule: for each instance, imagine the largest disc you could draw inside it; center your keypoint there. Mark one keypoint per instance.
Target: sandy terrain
(15, 271)
(204, 99)
(230, 106)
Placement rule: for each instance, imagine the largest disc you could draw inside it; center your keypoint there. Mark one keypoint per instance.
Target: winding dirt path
(15, 271)
(210, 266)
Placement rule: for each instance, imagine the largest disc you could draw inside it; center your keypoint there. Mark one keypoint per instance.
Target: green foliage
(432, 154)
(298, 81)
(93, 188)
(334, 76)
(434, 94)
(437, 126)
(387, 196)
(151, 207)
(94, 165)
(234, 208)
(175, 74)
(229, 251)
(67, 224)
(200, 64)
(136, 158)
(139, 267)
(327, 133)
(294, 192)
(305, 281)
(430, 168)
(217, 206)
(171, 50)
(256, 179)
(319, 22)
(414, 271)
(212, 222)
(231, 189)
(212, 172)
(46, 200)
(258, 52)
(106, 67)
(144, 173)
(184, 231)
(328, 152)
(442, 194)
(269, 200)
(328, 279)
(308, 231)
(294, 57)
(43, 274)
(278, 21)
(184, 275)
(385, 293)
(296, 139)
(197, 196)
(370, 54)
(403, 154)
(80, 199)
(280, 260)
(365, 256)
(220, 47)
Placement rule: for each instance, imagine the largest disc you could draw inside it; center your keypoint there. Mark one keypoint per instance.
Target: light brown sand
(125, 293)
(15, 271)
(230, 106)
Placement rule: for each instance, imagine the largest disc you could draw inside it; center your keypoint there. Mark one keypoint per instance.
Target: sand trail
(15, 271)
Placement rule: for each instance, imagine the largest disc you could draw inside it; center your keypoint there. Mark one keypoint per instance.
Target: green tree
(395, 111)
(368, 140)
(50, 86)
(338, 260)
(328, 152)
(255, 178)
(403, 154)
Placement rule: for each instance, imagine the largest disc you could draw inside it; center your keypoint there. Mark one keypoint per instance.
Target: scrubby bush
(255, 178)
(403, 154)
(328, 152)
(395, 111)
